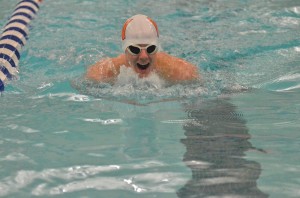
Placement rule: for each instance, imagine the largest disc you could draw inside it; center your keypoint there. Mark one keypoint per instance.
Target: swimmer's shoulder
(176, 69)
(106, 69)
(162, 56)
(119, 61)
(165, 59)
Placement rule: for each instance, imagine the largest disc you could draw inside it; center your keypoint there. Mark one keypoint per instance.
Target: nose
(143, 55)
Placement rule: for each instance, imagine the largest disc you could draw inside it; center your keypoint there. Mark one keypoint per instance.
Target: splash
(129, 87)
(129, 77)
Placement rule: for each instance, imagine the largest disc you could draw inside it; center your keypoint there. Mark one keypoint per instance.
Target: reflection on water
(140, 142)
(216, 141)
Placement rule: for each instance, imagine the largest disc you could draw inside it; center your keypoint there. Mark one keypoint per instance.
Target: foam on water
(130, 87)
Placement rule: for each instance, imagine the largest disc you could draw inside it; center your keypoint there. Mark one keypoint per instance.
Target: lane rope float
(14, 37)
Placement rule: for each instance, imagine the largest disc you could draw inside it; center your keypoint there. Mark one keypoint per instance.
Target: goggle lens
(134, 50)
(151, 49)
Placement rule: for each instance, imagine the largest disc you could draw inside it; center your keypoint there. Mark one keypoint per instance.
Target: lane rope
(14, 37)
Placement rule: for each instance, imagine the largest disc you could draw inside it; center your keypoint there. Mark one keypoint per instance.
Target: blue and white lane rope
(13, 38)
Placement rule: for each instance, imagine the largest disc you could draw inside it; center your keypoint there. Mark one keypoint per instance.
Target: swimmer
(140, 43)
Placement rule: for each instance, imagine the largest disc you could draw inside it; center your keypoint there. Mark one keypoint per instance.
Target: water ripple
(78, 178)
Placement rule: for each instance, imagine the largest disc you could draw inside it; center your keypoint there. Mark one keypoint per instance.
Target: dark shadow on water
(216, 141)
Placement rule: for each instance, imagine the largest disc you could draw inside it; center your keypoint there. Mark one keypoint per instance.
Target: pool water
(234, 135)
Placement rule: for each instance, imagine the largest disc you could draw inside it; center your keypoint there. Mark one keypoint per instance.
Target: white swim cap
(139, 29)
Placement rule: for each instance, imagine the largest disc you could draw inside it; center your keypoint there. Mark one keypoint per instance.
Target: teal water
(236, 135)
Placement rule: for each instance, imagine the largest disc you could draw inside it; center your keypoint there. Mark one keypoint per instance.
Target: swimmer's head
(139, 29)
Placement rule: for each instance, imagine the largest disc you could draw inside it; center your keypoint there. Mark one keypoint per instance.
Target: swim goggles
(135, 49)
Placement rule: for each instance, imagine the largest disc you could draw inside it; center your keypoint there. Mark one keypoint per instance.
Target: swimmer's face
(141, 58)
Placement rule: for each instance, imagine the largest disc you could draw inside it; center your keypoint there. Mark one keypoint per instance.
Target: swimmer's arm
(176, 69)
(105, 70)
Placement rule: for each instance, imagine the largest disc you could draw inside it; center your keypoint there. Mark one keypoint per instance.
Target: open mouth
(143, 67)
